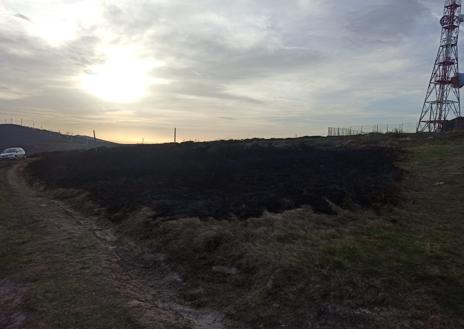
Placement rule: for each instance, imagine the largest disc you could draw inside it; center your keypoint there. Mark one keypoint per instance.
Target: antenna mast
(442, 101)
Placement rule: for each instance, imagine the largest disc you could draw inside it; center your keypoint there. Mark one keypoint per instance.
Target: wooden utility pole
(95, 141)
(175, 135)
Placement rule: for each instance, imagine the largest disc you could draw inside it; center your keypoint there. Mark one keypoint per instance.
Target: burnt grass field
(379, 244)
(225, 179)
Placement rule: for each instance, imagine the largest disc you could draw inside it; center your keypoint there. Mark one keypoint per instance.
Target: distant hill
(38, 141)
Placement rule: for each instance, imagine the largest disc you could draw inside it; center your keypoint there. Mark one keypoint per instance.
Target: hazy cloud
(21, 16)
(387, 22)
(215, 69)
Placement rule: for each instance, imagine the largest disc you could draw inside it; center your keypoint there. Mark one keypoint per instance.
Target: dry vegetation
(396, 265)
(50, 276)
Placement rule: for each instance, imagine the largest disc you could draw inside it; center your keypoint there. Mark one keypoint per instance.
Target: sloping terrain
(38, 141)
(384, 265)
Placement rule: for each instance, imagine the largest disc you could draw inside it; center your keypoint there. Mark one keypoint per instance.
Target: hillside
(241, 224)
(37, 140)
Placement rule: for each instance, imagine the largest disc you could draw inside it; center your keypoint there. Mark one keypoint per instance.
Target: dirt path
(59, 269)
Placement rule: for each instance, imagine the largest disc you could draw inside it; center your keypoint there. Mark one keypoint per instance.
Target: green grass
(66, 285)
(424, 247)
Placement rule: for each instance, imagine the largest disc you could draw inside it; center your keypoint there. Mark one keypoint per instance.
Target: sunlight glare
(123, 78)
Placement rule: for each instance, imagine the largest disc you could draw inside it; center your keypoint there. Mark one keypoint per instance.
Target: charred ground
(395, 266)
(226, 179)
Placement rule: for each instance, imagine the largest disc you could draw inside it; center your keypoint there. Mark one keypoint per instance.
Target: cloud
(386, 22)
(23, 17)
(274, 67)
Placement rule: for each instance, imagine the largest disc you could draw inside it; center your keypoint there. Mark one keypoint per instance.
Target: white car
(14, 153)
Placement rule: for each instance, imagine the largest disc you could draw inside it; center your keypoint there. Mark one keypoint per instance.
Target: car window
(13, 150)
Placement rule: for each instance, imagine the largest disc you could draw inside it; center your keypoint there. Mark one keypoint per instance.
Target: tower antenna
(443, 101)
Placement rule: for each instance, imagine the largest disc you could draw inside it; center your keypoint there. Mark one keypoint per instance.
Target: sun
(122, 78)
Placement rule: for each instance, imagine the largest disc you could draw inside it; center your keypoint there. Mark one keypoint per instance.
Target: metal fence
(409, 127)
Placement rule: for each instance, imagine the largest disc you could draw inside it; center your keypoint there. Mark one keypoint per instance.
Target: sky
(134, 69)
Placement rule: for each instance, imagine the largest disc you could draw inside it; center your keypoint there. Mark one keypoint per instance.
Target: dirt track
(59, 269)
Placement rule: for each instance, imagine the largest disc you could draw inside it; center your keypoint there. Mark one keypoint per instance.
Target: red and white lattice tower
(442, 101)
